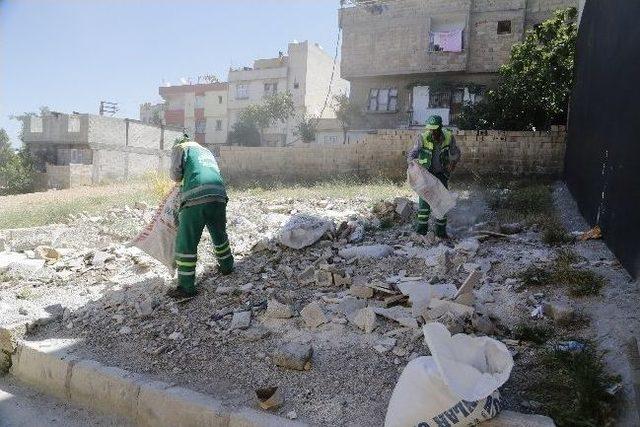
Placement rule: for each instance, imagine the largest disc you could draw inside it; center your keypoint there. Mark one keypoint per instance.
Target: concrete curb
(49, 367)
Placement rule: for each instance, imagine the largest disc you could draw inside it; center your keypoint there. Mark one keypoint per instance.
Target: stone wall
(67, 176)
(383, 153)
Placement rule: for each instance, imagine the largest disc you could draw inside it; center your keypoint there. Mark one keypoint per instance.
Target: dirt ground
(112, 297)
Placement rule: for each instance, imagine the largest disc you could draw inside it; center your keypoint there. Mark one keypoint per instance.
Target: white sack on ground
(158, 238)
(304, 230)
(430, 189)
(457, 385)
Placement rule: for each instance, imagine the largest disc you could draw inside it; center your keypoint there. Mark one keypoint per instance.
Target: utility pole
(108, 107)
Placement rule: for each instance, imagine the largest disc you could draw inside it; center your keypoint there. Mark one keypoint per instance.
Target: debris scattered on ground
(294, 356)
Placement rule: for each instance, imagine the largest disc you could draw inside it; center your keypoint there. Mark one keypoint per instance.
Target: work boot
(180, 294)
(441, 228)
(421, 229)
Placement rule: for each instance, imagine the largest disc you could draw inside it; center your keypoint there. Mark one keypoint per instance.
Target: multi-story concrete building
(409, 59)
(201, 109)
(305, 71)
(84, 149)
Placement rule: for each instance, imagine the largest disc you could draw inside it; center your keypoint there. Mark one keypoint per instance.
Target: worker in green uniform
(436, 150)
(203, 202)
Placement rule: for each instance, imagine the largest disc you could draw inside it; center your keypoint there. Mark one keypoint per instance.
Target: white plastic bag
(158, 238)
(456, 386)
(430, 189)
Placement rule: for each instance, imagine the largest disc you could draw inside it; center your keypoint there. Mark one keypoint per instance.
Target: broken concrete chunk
(278, 310)
(313, 315)
(294, 356)
(453, 323)
(465, 293)
(438, 308)
(443, 291)
(349, 305)
(365, 319)
(25, 268)
(324, 278)
(468, 247)
(240, 320)
(47, 253)
(483, 324)
(384, 345)
(399, 314)
(404, 208)
(360, 291)
(371, 251)
(340, 280)
(516, 419)
(303, 230)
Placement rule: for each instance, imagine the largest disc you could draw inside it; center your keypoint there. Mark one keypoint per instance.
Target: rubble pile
(326, 303)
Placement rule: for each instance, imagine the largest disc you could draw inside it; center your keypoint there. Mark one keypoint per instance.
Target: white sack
(303, 230)
(158, 238)
(430, 189)
(456, 386)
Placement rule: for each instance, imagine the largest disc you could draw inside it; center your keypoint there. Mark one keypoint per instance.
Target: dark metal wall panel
(602, 163)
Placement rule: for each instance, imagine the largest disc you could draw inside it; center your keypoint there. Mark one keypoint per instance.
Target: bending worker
(436, 150)
(203, 202)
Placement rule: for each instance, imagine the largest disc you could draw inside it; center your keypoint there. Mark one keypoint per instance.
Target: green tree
(347, 113)
(535, 84)
(306, 129)
(16, 169)
(275, 108)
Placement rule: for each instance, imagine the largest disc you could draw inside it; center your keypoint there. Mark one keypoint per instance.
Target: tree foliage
(347, 113)
(535, 84)
(16, 169)
(306, 129)
(256, 118)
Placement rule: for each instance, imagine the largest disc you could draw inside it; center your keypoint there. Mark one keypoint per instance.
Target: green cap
(434, 122)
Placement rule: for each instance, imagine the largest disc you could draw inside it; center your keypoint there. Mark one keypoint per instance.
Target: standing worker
(203, 202)
(436, 150)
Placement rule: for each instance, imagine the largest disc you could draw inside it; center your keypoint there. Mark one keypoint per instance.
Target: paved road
(22, 407)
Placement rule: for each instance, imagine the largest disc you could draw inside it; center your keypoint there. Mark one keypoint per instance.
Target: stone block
(45, 365)
(161, 405)
(105, 388)
(313, 315)
(294, 356)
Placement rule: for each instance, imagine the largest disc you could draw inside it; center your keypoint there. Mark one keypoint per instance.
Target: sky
(69, 55)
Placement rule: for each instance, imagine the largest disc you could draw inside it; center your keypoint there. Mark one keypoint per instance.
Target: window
(270, 89)
(383, 100)
(199, 102)
(440, 99)
(74, 124)
(330, 139)
(219, 99)
(504, 27)
(201, 125)
(35, 124)
(242, 91)
(218, 124)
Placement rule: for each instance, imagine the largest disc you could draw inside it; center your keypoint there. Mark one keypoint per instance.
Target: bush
(16, 169)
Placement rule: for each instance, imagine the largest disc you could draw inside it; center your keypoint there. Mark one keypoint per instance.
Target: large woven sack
(430, 189)
(158, 238)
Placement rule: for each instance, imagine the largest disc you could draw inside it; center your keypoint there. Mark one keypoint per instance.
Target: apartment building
(410, 59)
(200, 108)
(305, 71)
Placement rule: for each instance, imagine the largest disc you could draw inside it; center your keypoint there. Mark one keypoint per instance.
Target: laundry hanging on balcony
(446, 41)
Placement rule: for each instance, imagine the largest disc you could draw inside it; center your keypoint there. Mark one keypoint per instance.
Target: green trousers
(192, 220)
(424, 212)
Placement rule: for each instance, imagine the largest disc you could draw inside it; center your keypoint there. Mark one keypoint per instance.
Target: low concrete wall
(67, 176)
(383, 153)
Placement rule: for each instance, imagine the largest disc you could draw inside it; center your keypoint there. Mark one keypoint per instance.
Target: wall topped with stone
(382, 153)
